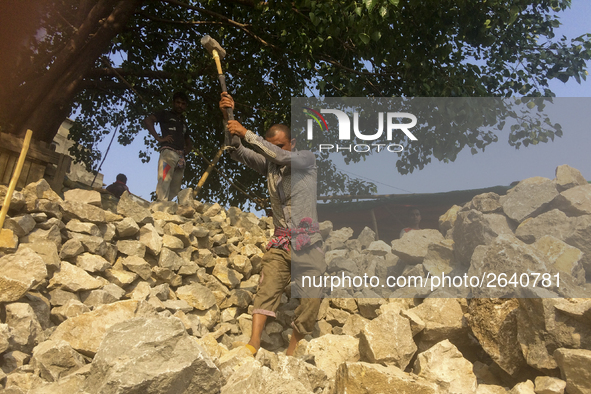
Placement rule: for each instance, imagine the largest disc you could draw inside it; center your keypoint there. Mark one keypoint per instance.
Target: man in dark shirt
(119, 186)
(174, 143)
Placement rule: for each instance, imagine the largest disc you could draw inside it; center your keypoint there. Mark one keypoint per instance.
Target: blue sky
(500, 164)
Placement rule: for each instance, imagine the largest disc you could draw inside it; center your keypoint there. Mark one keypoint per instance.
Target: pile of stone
(156, 299)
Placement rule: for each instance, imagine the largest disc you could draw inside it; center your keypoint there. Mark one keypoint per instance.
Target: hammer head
(210, 44)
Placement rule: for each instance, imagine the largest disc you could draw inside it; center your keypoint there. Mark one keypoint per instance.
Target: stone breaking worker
(174, 143)
(296, 245)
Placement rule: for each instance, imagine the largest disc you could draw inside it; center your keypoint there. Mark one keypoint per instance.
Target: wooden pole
(15, 176)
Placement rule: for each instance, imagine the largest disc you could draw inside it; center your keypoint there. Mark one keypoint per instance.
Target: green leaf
(364, 38)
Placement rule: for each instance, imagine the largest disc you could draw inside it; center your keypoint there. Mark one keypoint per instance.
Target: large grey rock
(169, 259)
(444, 365)
(366, 237)
(47, 251)
(493, 322)
(562, 257)
(196, 295)
(545, 324)
(575, 201)
(38, 234)
(55, 359)
(70, 249)
(86, 331)
(443, 319)
(138, 265)
(151, 356)
(91, 197)
(131, 247)
(73, 278)
(82, 211)
(366, 378)
(252, 377)
(440, 258)
(529, 198)
(413, 246)
(567, 177)
(554, 223)
(579, 238)
(19, 273)
(20, 225)
(331, 350)
(506, 257)
(387, 340)
(25, 330)
(92, 263)
(129, 208)
(486, 203)
(473, 228)
(575, 368)
(127, 227)
(549, 385)
(95, 245)
(151, 239)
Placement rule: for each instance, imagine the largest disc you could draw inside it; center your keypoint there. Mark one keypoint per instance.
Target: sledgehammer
(218, 53)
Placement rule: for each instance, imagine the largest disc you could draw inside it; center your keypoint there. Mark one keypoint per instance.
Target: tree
(275, 50)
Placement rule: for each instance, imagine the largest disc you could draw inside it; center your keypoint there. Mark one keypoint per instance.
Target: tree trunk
(42, 105)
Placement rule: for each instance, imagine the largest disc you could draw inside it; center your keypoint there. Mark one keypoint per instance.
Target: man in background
(119, 186)
(174, 143)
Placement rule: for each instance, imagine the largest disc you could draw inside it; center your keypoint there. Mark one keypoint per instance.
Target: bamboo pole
(15, 176)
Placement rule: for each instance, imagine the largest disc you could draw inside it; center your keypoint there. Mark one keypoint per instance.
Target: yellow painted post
(15, 176)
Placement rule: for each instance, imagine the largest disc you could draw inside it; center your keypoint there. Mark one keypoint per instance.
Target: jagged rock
(439, 258)
(13, 360)
(554, 223)
(336, 317)
(96, 298)
(413, 246)
(25, 330)
(59, 297)
(196, 295)
(549, 385)
(575, 201)
(17, 202)
(20, 225)
(490, 389)
(416, 323)
(529, 198)
(562, 257)
(330, 351)
(575, 368)
(8, 241)
(71, 308)
(131, 248)
(232, 361)
(473, 228)
(138, 265)
(368, 303)
(526, 387)
(83, 212)
(252, 377)
(493, 322)
(366, 378)
(95, 245)
(39, 234)
(151, 239)
(90, 197)
(77, 226)
(86, 331)
(127, 227)
(448, 220)
(169, 259)
(337, 238)
(543, 326)
(444, 319)
(71, 248)
(208, 318)
(509, 257)
(151, 355)
(444, 365)
(19, 273)
(120, 277)
(4, 336)
(73, 383)
(325, 228)
(486, 203)
(172, 242)
(366, 237)
(567, 177)
(92, 263)
(387, 340)
(227, 276)
(579, 238)
(129, 208)
(72, 278)
(47, 251)
(379, 248)
(55, 359)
